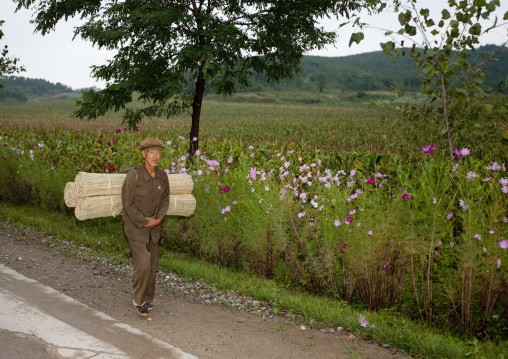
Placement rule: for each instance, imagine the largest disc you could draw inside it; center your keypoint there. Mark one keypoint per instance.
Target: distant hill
(363, 72)
(21, 89)
(372, 71)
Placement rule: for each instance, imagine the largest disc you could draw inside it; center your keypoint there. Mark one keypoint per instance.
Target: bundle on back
(96, 195)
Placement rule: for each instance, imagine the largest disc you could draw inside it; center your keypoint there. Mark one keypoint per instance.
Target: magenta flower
(136, 128)
(226, 189)
(406, 196)
(118, 130)
(465, 152)
(384, 265)
(111, 168)
(371, 181)
(494, 167)
(344, 245)
(115, 140)
(362, 321)
(349, 220)
(109, 144)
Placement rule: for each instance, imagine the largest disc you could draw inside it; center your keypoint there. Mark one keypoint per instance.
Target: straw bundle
(98, 206)
(105, 206)
(98, 195)
(104, 184)
(69, 195)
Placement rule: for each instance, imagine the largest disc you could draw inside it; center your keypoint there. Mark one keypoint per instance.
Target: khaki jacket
(144, 196)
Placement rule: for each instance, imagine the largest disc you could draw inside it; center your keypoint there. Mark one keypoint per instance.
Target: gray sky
(57, 58)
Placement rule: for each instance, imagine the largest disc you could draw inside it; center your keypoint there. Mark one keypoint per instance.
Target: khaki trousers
(145, 258)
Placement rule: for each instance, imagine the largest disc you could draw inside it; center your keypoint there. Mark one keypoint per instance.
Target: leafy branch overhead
(460, 103)
(7, 65)
(166, 51)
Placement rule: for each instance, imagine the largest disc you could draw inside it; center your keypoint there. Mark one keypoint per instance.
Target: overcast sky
(57, 58)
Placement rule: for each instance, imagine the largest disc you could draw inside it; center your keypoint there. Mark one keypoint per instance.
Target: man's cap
(151, 143)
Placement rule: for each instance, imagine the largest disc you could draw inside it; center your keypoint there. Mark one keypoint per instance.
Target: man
(145, 201)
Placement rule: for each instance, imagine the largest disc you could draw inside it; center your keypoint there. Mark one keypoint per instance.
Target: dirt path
(203, 330)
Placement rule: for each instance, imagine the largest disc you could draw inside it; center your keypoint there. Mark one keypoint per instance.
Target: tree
(321, 80)
(171, 51)
(7, 65)
(442, 55)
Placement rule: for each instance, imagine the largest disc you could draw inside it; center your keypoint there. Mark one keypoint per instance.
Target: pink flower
(370, 233)
(336, 223)
(503, 244)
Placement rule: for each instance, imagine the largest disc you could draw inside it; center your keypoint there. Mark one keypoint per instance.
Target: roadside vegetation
(344, 214)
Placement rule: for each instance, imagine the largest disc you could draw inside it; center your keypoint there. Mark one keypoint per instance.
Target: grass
(416, 339)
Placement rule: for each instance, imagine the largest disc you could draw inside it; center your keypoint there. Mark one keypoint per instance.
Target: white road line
(22, 315)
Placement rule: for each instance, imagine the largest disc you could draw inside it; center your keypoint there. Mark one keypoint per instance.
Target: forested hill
(21, 89)
(372, 70)
(362, 72)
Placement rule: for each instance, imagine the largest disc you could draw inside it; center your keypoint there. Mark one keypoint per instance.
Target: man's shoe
(149, 306)
(142, 310)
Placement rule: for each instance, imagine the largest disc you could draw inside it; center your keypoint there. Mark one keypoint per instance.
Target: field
(345, 202)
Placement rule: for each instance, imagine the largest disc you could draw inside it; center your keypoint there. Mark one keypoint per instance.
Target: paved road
(38, 322)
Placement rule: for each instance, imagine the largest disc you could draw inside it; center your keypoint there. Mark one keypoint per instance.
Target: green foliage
(449, 75)
(7, 65)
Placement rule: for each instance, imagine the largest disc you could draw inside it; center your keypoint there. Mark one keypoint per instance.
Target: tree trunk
(196, 113)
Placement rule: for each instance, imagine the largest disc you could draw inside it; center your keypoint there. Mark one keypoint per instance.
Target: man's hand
(152, 222)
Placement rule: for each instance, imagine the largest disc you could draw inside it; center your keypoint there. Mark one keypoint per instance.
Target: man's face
(152, 157)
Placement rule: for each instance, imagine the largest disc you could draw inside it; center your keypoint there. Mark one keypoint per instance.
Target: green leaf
(476, 29)
(505, 17)
(404, 17)
(487, 109)
(445, 14)
(443, 66)
(410, 30)
(434, 32)
(356, 38)
(505, 135)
